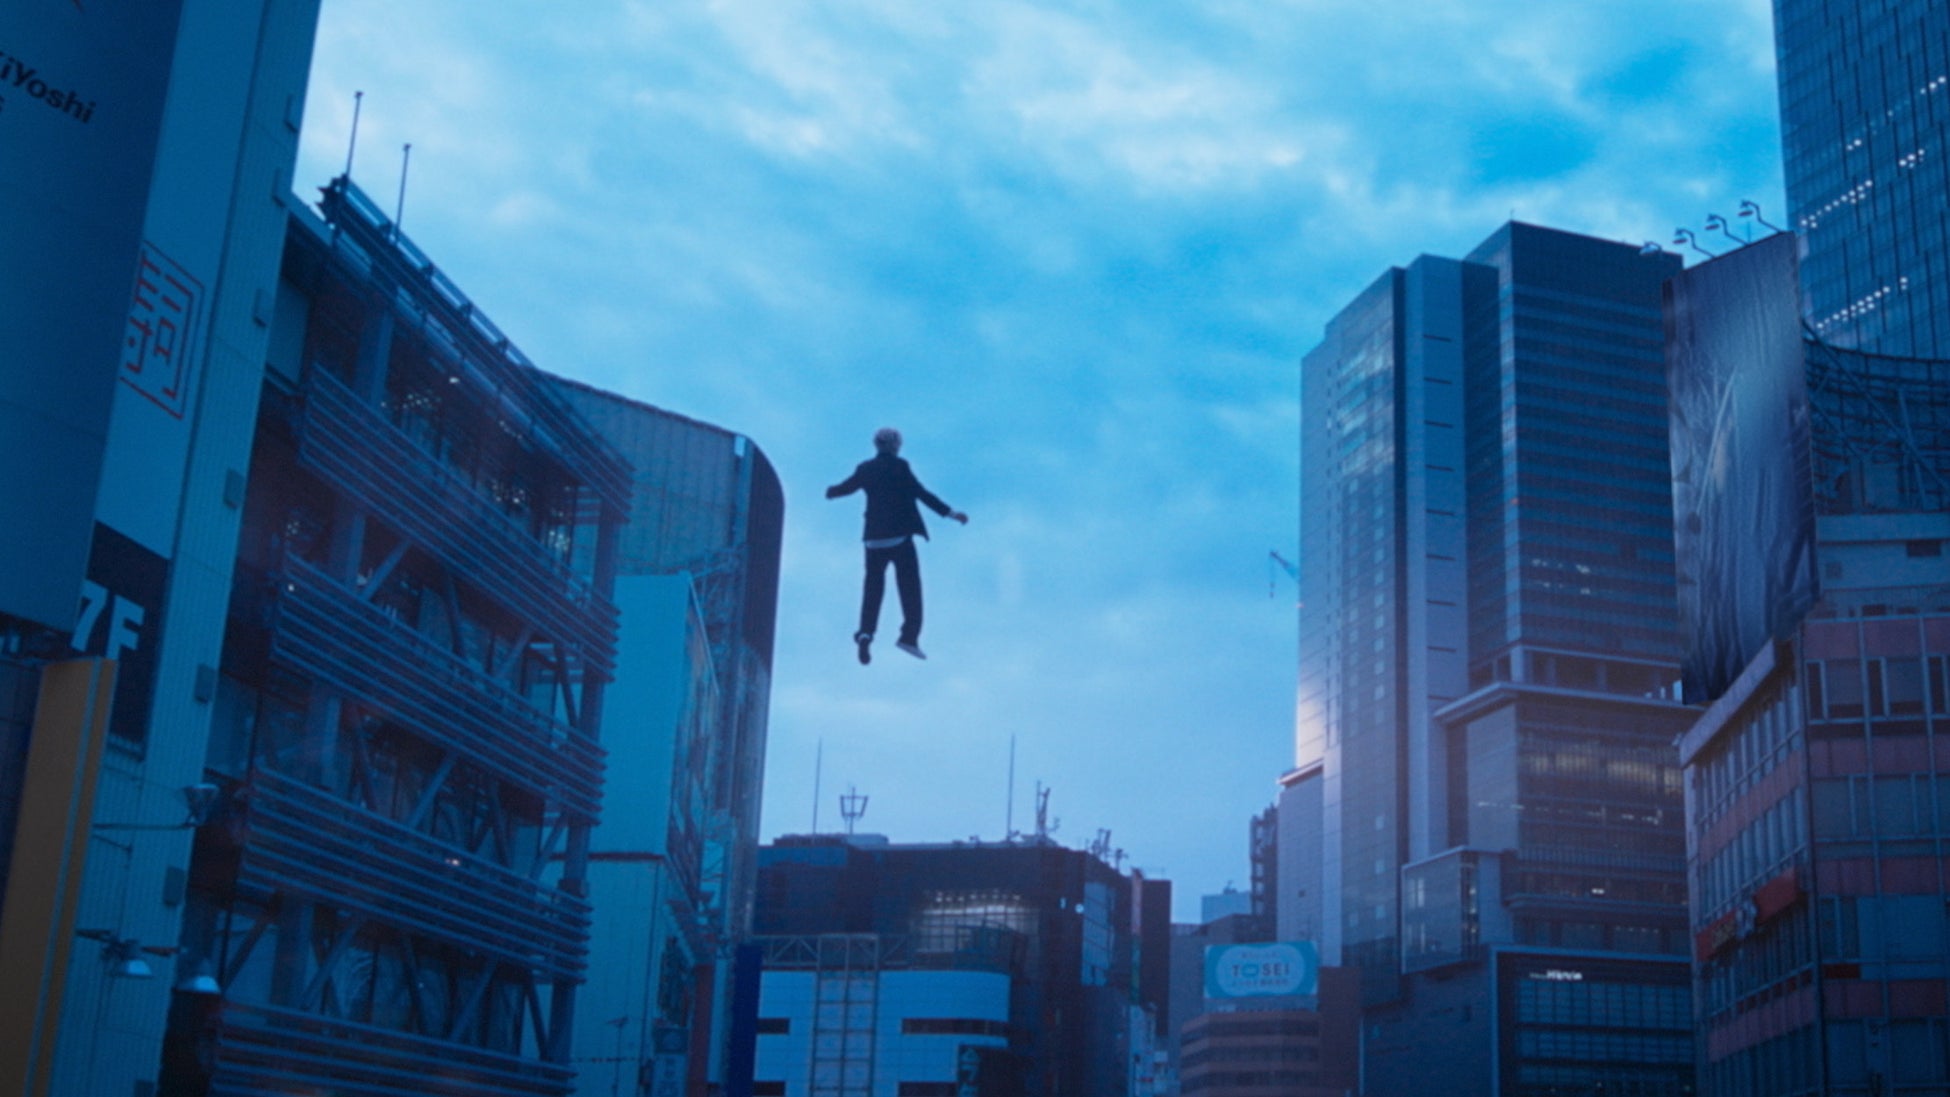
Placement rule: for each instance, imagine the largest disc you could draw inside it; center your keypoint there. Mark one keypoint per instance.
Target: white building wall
(933, 995)
(979, 996)
(663, 675)
(172, 480)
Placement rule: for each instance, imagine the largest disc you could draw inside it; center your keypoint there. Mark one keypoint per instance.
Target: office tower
(984, 968)
(1488, 649)
(1813, 494)
(1865, 133)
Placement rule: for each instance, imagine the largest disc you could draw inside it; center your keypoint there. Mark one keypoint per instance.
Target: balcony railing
(351, 446)
(305, 841)
(269, 1050)
(430, 296)
(323, 630)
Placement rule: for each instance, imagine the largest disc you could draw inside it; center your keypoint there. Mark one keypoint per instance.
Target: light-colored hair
(887, 440)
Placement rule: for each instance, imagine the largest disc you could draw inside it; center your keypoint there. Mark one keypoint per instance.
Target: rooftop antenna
(399, 209)
(852, 807)
(819, 761)
(1009, 819)
(352, 143)
(1751, 208)
(1100, 846)
(1045, 826)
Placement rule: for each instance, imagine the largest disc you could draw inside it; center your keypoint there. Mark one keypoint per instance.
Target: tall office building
(1865, 130)
(1486, 703)
(1813, 490)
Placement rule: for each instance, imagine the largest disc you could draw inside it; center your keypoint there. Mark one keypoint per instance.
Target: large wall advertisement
(1273, 969)
(1742, 485)
(82, 86)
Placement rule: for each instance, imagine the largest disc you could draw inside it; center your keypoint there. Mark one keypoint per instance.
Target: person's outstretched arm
(935, 504)
(845, 487)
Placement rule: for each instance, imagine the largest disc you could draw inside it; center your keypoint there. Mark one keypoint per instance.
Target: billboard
(1743, 498)
(81, 100)
(1263, 970)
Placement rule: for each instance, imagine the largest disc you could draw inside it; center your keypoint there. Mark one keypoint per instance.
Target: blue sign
(1251, 971)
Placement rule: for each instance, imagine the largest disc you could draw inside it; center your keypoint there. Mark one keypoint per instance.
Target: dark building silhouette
(1008, 968)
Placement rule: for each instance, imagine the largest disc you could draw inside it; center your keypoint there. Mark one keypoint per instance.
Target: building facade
(916, 970)
(406, 716)
(1285, 1050)
(1815, 778)
(672, 876)
(1865, 132)
(1488, 657)
(143, 226)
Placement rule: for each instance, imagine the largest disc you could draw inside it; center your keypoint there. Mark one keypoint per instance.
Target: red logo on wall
(162, 319)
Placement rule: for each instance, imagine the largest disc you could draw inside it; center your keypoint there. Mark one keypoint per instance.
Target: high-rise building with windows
(1813, 497)
(1865, 131)
(1488, 654)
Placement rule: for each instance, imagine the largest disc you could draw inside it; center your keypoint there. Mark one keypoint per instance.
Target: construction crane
(1272, 580)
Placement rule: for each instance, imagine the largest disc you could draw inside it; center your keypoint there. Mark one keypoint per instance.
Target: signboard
(120, 618)
(1251, 971)
(81, 98)
(1743, 495)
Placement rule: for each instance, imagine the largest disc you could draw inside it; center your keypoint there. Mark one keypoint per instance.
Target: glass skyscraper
(1488, 650)
(1865, 110)
(1817, 795)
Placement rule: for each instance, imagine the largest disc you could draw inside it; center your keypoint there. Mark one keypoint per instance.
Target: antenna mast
(852, 807)
(819, 762)
(352, 143)
(399, 210)
(1009, 820)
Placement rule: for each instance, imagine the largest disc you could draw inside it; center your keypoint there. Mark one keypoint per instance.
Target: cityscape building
(405, 721)
(1288, 1051)
(143, 222)
(672, 877)
(1488, 660)
(1815, 779)
(896, 970)
(1817, 488)
(1865, 135)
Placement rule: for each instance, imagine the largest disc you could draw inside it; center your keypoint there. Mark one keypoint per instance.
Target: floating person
(893, 521)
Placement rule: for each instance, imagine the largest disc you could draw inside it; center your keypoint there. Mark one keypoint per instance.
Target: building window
(953, 1026)
(774, 1026)
(927, 1089)
(768, 1089)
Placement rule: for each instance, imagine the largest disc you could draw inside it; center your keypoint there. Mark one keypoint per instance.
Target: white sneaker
(912, 649)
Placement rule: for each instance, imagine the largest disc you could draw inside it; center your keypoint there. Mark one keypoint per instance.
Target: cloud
(1076, 250)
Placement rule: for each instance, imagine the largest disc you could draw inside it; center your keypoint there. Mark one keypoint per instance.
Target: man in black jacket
(893, 521)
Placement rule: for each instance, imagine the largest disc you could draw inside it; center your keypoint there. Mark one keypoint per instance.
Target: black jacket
(892, 492)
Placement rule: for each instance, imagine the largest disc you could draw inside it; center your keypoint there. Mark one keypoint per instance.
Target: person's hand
(960, 517)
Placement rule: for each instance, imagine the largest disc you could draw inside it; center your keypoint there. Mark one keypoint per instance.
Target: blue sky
(1075, 252)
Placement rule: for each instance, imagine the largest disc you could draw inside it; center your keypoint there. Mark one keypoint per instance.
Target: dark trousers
(907, 580)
